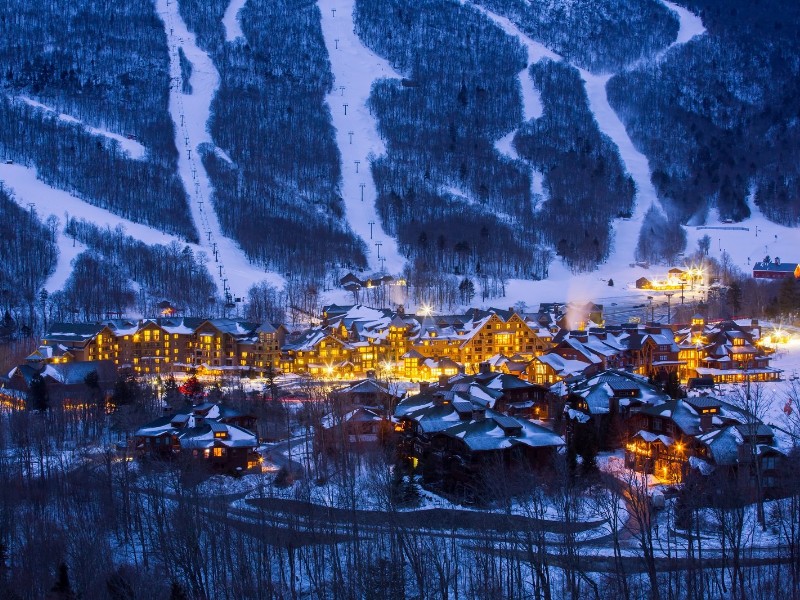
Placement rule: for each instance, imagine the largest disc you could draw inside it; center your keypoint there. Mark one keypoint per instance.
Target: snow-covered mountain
(526, 146)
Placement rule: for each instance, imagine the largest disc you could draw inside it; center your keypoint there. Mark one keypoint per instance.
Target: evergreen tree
(38, 394)
(734, 297)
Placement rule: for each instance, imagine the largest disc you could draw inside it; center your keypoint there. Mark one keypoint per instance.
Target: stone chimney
(444, 380)
(484, 368)
(424, 386)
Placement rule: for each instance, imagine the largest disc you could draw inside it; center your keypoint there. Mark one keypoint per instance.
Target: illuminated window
(219, 452)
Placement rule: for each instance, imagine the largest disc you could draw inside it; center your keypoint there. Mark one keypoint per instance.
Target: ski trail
(129, 146)
(233, 29)
(29, 191)
(690, 25)
(531, 99)
(354, 68)
(609, 123)
(190, 112)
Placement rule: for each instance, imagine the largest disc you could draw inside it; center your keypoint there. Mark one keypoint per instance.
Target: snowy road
(355, 67)
(229, 266)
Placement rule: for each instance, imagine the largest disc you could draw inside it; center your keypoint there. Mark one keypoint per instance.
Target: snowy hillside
(427, 140)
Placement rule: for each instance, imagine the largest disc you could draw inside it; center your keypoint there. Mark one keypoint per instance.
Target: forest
(104, 65)
(279, 197)
(28, 255)
(597, 35)
(717, 117)
(171, 273)
(586, 183)
(454, 202)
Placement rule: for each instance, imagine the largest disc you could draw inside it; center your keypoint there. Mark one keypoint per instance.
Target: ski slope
(354, 68)
(129, 146)
(29, 191)
(229, 266)
(233, 29)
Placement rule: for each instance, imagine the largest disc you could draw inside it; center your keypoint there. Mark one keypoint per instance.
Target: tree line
(454, 203)
(598, 35)
(28, 256)
(107, 66)
(587, 186)
(280, 197)
(716, 116)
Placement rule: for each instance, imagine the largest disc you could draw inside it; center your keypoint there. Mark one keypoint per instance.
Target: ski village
(616, 456)
(387, 299)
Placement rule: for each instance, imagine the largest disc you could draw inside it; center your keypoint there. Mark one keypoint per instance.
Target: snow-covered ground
(690, 24)
(129, 146)
(190, 113)
(355, 67)
(233, 29)
(46, 200)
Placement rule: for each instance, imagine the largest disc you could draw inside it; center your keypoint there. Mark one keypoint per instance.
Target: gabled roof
(366, 387)
(73, 332)
(679, 412)
(192, 432)
(597, 391)
(498, 432)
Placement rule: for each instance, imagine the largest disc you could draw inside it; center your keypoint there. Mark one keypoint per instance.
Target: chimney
(444, 380)
(484, 368)
(401, 310)
(478, 413)
(705, 423)
(424, 386)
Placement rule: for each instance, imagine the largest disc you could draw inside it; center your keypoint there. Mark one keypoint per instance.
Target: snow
(132, 148)
(748, 241)
(47, 200)
(787, 359)
(354, 68)
(190, 113)
(691, 25)
(233, 29)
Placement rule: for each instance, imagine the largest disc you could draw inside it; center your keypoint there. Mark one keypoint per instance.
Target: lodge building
(353, 342)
